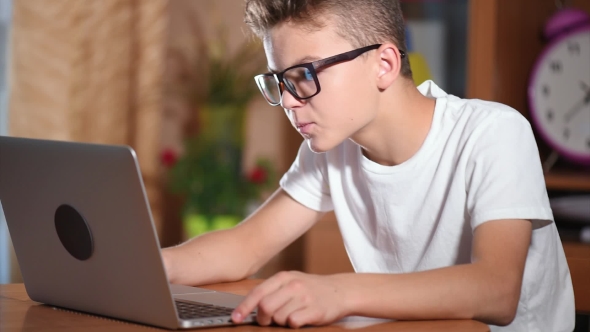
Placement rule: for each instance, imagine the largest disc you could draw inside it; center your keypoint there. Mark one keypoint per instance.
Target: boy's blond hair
(361, 22)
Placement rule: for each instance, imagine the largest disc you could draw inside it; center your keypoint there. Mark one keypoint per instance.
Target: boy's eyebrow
(305, 59)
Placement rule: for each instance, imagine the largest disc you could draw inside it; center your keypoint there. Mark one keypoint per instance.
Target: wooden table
(19, 313)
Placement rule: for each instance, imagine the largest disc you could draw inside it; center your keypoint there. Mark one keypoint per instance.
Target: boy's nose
(289, 101)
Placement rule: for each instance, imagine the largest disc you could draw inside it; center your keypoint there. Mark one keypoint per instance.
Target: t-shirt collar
(430, 89)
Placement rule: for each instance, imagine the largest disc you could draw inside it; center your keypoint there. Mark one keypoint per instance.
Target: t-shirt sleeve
(306, 180)
(504, 175)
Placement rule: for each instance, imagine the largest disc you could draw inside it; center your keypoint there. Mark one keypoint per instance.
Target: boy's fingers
(272, 304)
(257, 294)
(281, 315)
(301, 318)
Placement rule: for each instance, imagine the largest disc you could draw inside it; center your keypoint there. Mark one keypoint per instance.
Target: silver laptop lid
(82, 230)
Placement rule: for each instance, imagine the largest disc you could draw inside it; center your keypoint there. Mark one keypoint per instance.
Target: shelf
(568, 180)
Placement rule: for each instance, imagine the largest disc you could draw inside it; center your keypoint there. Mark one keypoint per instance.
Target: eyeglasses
(302, 80)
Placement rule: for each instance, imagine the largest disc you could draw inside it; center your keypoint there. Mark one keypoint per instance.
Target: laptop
(85, 240)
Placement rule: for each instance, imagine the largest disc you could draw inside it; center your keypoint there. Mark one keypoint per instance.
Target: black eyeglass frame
(313, 67)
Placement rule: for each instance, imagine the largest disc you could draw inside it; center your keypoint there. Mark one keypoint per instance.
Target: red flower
(258, 175)
(169, 158)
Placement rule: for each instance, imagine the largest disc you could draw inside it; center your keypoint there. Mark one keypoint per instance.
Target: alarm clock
(559, 86)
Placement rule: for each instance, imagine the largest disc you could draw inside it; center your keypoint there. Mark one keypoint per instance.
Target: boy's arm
(488, 289)
(237, 253)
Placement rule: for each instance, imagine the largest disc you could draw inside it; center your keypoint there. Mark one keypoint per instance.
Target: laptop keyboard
(192, 310)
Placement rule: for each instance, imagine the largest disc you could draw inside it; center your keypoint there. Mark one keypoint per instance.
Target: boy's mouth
(304, 127)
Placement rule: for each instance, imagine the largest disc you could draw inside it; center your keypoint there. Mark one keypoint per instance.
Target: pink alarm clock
(559, 86)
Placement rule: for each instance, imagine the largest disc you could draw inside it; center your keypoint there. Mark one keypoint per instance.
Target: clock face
(559, 95)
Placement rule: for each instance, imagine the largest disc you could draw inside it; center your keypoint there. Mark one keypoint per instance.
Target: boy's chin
(319, 146)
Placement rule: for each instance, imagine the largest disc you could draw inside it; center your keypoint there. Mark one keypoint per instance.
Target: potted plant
(209, 174)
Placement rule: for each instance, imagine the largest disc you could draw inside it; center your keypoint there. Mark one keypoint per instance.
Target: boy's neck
(401, 126)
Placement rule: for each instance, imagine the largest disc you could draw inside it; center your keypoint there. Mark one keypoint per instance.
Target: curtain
(91, 71)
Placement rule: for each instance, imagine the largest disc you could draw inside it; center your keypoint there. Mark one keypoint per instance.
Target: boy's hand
(295, 299)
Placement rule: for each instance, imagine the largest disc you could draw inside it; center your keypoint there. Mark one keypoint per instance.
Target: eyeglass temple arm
(349, 56)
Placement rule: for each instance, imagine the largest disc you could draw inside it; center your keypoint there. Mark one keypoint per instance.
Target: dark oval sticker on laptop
(73, 232)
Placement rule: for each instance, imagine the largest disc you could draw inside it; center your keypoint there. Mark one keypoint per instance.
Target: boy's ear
(389, 65)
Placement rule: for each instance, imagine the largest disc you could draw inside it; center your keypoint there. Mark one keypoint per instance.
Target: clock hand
(584, 86)
(574, 110)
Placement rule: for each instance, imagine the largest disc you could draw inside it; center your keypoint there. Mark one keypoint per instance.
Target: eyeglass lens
(270, 89)
(299, 81)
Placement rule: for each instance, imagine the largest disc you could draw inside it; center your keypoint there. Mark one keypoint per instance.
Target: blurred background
(173, 79)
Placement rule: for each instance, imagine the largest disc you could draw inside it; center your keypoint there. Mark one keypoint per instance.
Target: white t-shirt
(479, 162)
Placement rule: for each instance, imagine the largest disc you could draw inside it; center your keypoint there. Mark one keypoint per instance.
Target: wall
(268, 131)
(192, 23)
(263, 121)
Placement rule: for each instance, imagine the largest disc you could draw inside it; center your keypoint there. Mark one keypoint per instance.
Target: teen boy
(440, 200)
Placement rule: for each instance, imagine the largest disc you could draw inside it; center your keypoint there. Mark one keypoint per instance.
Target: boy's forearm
(459, 292)
(211, 258)
(239, 252)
